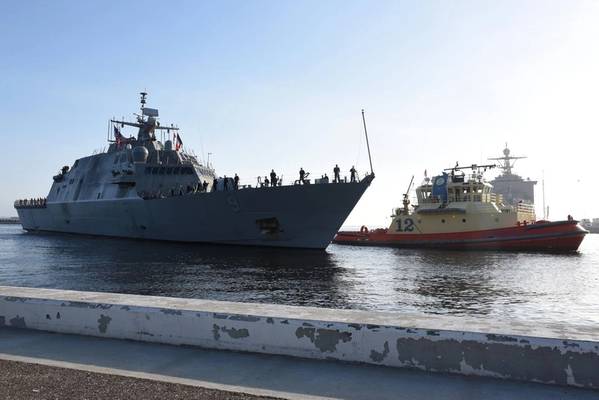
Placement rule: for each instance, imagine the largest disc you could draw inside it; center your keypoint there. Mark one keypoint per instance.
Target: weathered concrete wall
(434, 344)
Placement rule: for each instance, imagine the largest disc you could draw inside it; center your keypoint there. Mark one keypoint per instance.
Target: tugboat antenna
(406, 194)
(367, 144)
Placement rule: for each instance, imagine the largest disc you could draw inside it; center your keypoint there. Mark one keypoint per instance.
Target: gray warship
(143, 188)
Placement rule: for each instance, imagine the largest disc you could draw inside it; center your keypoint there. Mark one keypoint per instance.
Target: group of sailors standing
(274, 180)
(303, 175)
(233, 183)
(31, 203)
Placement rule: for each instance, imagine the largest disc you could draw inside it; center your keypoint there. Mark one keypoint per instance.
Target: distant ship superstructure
(142, 188)
(511, 186)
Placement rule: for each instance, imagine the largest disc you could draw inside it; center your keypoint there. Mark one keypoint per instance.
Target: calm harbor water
(492, 285)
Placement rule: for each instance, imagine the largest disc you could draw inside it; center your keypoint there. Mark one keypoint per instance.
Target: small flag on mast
(178, 141)
(117, 136)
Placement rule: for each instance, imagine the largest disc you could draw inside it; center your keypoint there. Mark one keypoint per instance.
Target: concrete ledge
(434, 344)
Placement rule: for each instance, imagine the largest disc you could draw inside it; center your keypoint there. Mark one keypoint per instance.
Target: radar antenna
(505, 162)
(143, 101)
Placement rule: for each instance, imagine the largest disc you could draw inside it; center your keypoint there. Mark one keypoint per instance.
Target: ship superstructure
(510, 185)
(143, 188)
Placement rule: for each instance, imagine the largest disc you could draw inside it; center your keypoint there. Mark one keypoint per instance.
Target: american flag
(178, 142)
(117, 136)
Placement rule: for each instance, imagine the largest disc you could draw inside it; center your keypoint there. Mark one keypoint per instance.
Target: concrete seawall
(550, 354)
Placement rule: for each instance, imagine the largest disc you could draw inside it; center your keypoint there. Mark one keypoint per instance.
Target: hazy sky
(280, 84)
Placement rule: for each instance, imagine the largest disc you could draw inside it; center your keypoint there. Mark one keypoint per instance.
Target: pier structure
(555, 355)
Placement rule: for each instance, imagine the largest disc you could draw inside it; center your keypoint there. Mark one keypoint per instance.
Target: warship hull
(559, 236)
(300, 216)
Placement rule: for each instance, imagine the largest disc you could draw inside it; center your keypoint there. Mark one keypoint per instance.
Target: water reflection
(450, 282)
(549, 288)
(184, 270)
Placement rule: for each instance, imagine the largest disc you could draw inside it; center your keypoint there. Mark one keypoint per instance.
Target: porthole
(464, 220)
(442, 221)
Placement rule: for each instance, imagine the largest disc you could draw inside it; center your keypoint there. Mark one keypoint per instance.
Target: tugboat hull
(559, 236)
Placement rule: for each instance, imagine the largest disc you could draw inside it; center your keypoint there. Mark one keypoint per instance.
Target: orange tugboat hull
(559, 236)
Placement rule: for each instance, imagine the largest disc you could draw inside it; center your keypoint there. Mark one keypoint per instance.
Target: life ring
(363, 229)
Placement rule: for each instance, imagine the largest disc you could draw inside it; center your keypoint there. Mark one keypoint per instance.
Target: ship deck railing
(31, 203)
(526, 208)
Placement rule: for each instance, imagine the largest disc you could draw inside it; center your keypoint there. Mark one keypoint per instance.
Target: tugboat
(456, 210)
(144, 189)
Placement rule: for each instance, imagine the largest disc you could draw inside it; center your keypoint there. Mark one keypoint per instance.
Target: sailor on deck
(353, 171)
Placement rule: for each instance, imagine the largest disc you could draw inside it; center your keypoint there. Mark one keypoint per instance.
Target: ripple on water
(490, 285)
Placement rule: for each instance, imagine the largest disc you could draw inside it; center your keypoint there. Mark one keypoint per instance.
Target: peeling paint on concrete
(305, 332)
(570, 344)
(236, 333)
(245, 318)
(542, 364)
(169, 311)
(18, 322)
(15, 299)
(312, 333)
(324, 339)
(83, 304)
(501, 338)
(378, 357)
(103, 322)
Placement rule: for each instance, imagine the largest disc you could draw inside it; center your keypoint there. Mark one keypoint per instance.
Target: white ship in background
(145, 189)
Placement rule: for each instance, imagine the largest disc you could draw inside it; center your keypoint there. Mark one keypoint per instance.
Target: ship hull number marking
(405, 225)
